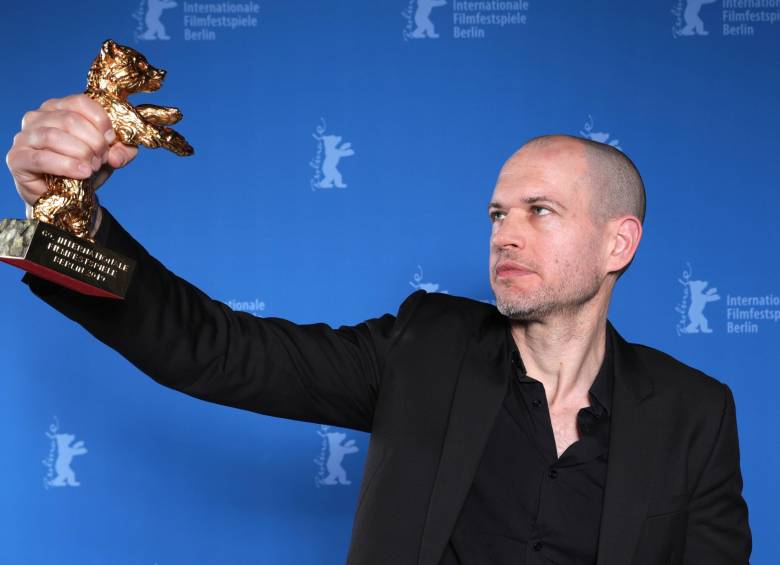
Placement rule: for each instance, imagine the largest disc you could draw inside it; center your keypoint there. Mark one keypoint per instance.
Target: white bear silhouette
(599, 136)
(422, 18)
(603, 137)
(336, 453)
(333, 154)
(65, 454)
(693, 22)
(154, 27)
(426, 286)
(699, 300)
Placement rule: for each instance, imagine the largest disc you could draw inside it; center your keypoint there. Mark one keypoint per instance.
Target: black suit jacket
(427, 384)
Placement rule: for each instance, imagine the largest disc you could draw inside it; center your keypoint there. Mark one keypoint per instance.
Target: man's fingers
(29, 165)
(84, 105)
(58, 141)
(70, 137)
(70, 122)
(34, 162)
(85, 118)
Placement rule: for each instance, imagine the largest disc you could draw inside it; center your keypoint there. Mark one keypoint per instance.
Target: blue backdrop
(412, 107)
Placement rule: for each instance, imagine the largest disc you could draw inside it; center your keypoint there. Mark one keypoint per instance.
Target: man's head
(567, 218)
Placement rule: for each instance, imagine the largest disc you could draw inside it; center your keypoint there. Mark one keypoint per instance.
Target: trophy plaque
(55, 244)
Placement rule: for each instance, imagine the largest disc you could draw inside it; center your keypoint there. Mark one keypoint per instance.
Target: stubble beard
(548, 301)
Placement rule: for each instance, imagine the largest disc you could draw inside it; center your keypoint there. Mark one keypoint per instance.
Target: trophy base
(60, 257)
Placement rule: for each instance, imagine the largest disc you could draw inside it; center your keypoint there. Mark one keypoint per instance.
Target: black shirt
(526, 505)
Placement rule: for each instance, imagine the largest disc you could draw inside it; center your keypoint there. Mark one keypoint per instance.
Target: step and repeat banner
(345, 153)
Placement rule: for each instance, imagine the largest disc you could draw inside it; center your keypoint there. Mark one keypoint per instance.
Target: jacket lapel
(631, 458)
(480, 391)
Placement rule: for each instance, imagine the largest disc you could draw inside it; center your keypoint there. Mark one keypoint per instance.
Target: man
(531, 433)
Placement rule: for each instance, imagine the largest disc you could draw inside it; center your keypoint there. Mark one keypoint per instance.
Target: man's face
(545, 251)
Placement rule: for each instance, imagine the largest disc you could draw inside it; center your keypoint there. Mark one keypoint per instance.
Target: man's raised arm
(182, 338)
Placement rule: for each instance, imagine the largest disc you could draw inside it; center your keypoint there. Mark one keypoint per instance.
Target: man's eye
(493, 216)
(541, 208)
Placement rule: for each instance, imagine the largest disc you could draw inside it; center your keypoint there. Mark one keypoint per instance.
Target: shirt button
(553, 473)
(536, 402)
(537, 545)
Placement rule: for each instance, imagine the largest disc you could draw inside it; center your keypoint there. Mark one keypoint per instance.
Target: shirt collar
(600, 390)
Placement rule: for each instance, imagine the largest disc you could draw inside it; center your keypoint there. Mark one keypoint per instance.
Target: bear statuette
(57, 242)
(115, 73)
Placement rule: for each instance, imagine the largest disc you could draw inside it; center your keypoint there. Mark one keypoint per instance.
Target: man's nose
(509, 231)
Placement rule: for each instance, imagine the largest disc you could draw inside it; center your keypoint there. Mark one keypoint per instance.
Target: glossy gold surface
(116, 72)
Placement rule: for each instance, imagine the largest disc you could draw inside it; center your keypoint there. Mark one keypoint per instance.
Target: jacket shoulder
(442, 319)
(674, 377)
(441, 306)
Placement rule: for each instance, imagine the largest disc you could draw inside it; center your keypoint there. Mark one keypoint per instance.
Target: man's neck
(564, 353)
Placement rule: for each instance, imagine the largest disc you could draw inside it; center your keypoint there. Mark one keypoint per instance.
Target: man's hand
(71, 137)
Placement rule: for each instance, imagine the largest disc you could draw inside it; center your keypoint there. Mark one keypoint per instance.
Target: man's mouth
(511, 269)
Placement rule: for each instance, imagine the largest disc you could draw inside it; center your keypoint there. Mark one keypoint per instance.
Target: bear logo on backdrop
(693, 18)
(148, 16)
(62, 450)
(418, 19)
(467, 20)
(419, 284)
(330, 151)
(688, 17)
(600, 136)
(200, 21)
(744, 313)
(695, 297)
(330, 471)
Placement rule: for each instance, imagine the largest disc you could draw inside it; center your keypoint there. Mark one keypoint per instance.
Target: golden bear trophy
(56, 243)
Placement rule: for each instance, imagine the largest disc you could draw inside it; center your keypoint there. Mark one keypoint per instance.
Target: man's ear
(625, 234)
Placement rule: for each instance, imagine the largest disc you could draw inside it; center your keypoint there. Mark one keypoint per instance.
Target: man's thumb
(120, 155)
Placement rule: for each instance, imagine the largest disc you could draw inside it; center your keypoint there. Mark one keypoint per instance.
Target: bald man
(530, 432)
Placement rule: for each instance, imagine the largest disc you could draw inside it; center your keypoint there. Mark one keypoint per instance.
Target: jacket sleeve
(187, 341)
(718, 530)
